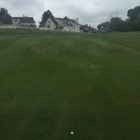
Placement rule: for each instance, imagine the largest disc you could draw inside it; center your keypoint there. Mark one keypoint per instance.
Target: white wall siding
(50, 25)
(27, 23)
(16, 21)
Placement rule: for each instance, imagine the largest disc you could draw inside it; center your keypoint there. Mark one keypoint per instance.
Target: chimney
(76, 20)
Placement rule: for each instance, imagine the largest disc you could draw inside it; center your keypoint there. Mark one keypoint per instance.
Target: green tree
(134, 19)
(133, 14)
(104, 27)
(115, 23)
(46, 15)
(3, 12)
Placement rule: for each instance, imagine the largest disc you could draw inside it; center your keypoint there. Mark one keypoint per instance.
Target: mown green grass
(52, 83)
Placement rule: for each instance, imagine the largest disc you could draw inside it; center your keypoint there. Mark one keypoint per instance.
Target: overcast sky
(91, 12)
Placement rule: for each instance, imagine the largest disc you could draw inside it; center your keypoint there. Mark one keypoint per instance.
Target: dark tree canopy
(115, 23)
(3, 12)
(133, 14)
(130, 24)
(104, 27)
(46, 15)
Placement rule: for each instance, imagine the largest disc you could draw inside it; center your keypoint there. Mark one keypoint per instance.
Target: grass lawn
(52, 83)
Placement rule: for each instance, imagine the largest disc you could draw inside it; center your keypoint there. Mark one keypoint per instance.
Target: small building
(86, 28)
(63, 24)
(23, 21)
(16, 22)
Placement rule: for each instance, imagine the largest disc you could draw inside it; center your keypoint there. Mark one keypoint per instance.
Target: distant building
(23, 21)
(16, 22)
(86, 28)
(64, 24)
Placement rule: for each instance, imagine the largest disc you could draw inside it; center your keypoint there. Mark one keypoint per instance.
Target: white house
(64, 24)
(23, 21)
(16, 22)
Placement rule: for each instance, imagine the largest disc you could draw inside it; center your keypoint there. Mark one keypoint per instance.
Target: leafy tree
(3, 12)
(133, 14)
(115, 23)
(46, 15)
(104, 27)
(134, 19)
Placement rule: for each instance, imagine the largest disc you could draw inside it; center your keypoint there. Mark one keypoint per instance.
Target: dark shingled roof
(53, 19)
(6, 19)
(24, 19)
(59, 18)
(42, 24)
(27, 19)
(16, 17)
(67, 19)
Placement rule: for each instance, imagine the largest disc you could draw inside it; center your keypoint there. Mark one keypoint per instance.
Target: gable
(51, 23)
(50, 20)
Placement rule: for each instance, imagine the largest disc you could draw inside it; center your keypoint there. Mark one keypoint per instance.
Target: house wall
(27, 23)
(51, 25)
(78, 28)
(74, 28)
(16, 22)
(6, 26)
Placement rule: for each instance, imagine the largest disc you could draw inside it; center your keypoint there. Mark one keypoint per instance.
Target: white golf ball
(72, 133)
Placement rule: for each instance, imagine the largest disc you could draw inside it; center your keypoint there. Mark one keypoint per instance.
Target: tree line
(3, 12)
(132, 23)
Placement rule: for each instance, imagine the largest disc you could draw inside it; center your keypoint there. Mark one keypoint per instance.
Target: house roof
(53, 19)
(6, 19)
(59, 18)
(16, 17)
(25, 19)
(42, 24)
(65, 19)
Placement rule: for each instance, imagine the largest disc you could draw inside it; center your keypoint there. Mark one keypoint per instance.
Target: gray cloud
(91, 12)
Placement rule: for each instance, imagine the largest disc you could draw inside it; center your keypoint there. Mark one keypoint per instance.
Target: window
(65, 25)
(48, 26)
(49, 21)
